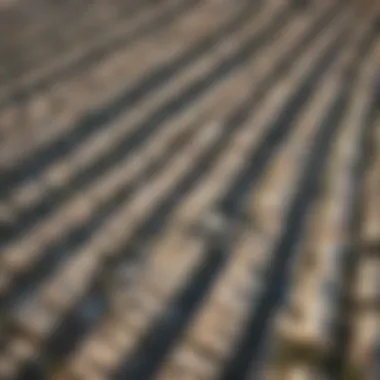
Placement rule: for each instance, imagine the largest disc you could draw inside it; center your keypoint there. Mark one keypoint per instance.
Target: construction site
(189, 190)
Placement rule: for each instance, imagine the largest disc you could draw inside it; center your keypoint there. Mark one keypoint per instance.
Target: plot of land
(188, 190)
